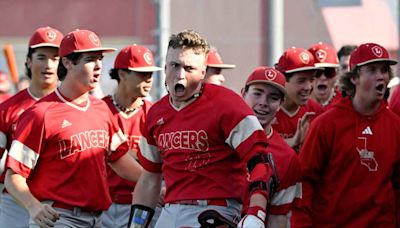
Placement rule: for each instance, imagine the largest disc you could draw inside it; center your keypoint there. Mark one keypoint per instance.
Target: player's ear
(242, 92)
(66, 62)
(355, 79)
(122, 74)
(28, 62)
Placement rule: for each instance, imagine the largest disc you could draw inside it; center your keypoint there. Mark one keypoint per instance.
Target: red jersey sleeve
(243, 131)
(26, 147)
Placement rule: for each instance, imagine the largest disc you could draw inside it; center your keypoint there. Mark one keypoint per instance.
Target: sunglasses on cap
(329, 72)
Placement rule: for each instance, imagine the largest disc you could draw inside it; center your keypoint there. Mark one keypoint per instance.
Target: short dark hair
(28, 71)
(346, 50)
(61, 70)
(114, 73)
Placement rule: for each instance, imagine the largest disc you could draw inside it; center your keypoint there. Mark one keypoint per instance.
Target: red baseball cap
(136, 58)
(369, 53)
(46, 37)
(215, 60)
(295, 60)
(81, 41)
(267, 75)
(324, 55)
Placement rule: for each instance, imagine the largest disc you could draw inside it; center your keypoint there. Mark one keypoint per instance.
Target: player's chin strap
(263, 175)
(140, 216)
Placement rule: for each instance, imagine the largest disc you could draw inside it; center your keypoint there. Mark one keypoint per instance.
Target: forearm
(278, 221)
(127, 167)
(258, 200)
(16, 185)
(293, 142)
(147, 190)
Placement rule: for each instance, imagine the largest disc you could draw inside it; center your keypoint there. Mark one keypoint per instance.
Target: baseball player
(133, 69)
(215, 65)
(293, 118)
(41, 66)
(199, 137)
(324, 90)
(264, 92)
(343, 56)
(351, 156)
(58, 173)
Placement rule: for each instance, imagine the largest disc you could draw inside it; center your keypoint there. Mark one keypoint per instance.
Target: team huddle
(305, 143)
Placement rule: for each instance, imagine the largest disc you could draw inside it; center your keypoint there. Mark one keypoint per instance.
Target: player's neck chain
(329, 99)
(196, 95)
(125, 110)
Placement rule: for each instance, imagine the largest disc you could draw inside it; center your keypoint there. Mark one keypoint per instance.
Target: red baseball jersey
(285, 123)
(394, 100)
(130, 124)
(10, 110)
(288, 192)
(203, 147)
(351, 169)
(61, 148)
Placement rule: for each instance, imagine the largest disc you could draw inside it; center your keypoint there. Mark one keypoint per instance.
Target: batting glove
(254, 218)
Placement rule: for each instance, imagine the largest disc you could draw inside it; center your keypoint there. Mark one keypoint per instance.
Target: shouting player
(325, 91)
(133, 69)
(199, 137)
(58, 173)
(351, 156)
(264, 92)
(41, 67)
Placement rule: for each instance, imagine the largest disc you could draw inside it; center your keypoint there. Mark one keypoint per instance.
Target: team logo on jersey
(321, 55)
(94, 39)
(367, 131)
(377, 51)
(187, 140)
(270, 75)
(147, 57)
(160, 121)
(83, 141)
(367, 158)
(65, 123)
(51, 35)
(304, 57)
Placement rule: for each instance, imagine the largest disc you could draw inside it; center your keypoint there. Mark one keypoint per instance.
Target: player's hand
(302, 127)
(254, 218)
(44, 215)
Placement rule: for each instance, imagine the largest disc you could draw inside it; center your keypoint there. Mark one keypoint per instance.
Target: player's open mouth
(322, 87)
(179, 89)
(380, 88)
(96, 77)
